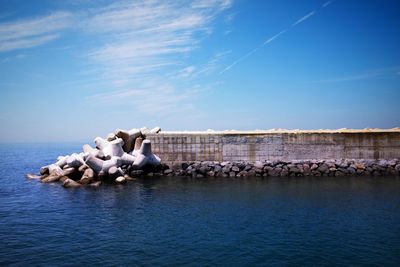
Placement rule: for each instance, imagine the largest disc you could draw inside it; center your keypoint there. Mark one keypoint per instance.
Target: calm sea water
(182, 221)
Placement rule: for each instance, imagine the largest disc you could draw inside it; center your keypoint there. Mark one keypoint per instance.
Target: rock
(251, 173)
(275, 172)
(351, 170)
(69, 183)
(397, 168)
(242, 173)
(232, 174)
(136, 173)
(259, 165)
(314, 167)
(120, 180)
(217, 168)
(284, 172)
(168, 171)
(210, 174)
(235, 169)
(323, 168)
(185, 166)
(360, 166)
(95, 184)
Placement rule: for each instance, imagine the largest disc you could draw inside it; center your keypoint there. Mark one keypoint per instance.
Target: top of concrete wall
(294, 131)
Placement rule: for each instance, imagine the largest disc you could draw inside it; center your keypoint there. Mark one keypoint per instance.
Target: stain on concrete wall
(185, 147)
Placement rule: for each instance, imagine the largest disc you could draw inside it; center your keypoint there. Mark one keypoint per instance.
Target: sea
(178, 221)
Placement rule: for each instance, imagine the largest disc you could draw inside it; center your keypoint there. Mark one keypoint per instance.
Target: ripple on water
(183, 221)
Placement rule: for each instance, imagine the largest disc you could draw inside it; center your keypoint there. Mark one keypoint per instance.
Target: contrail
(274, 37)
(327, 4)
(253, 51)
(303, 18)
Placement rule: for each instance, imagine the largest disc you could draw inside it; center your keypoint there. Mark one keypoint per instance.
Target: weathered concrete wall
(251, 147)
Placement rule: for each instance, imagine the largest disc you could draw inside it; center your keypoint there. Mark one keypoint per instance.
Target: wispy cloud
(144, 41)
(309, 15)
(32, 32)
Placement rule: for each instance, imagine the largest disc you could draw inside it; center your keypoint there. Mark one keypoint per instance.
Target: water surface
(184, 221)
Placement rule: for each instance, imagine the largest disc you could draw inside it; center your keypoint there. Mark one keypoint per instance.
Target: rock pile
(285, 168)
(112, 160)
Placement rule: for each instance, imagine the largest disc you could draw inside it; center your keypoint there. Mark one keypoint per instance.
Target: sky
(76, 69)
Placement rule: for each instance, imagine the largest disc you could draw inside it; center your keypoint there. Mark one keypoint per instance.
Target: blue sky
(72, 70)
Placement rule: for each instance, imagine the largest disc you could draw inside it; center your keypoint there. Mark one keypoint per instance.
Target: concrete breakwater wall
(181, 147)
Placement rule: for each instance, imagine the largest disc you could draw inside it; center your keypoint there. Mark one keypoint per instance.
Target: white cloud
(149, 41)
(186, 72)
(10, 45)
(32, 32)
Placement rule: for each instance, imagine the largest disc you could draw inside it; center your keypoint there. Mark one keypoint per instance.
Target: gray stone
(323, 168)
(235, 169)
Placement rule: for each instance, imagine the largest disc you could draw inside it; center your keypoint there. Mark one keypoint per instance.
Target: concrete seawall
(179, 147)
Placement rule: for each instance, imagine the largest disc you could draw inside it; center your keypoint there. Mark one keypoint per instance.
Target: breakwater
(125, 155)
(273, 145)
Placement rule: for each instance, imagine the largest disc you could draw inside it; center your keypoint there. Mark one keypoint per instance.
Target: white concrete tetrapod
(112, 148)
(102, 166)
(88, 149)
(120, 180)
(32, 176)
(111, 136)
(155, 130)
(61, 161)
(128, 137)
(56, 175)
(115, 172)
(127, 159)
(144, 131)
(75, 160)
(55, 169)
(69, 183)
(146, 157)
(138, 144)
(87, 176)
